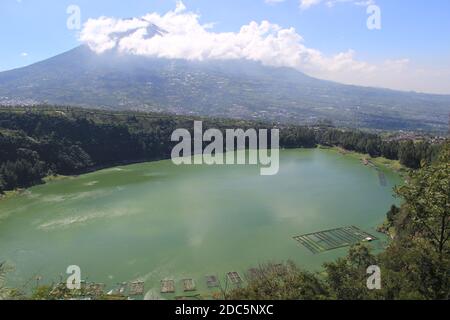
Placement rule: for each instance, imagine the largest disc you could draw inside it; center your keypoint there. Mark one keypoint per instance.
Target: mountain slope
(235, 88)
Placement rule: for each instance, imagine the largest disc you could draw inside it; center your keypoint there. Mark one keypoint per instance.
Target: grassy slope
(379, 161)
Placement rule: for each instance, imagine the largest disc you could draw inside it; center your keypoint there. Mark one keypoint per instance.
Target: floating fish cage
(322, 241)
(96, 289)
(234, 277)
(212, 281)
(167, 286)
(188, 285)
(136, 288)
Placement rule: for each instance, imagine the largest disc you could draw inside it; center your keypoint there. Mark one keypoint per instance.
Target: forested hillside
(37, 142)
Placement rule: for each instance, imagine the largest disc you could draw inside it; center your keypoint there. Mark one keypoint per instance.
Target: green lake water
(156, 221)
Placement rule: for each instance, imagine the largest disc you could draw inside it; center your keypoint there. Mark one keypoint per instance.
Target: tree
(407, 155)
(2, 184)
(392, 213)
(280, 282)
(347, 278)
(5, 292)
(427, 197)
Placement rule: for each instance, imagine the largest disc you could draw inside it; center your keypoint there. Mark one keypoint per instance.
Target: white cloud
(306, 4)
(24, 54)
(184, 37)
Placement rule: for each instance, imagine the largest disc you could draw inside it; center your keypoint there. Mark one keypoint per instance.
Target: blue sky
(417, 31)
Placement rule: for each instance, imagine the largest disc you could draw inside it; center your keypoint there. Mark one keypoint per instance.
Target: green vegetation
(42, 142)
(2, 280)
(415, 265)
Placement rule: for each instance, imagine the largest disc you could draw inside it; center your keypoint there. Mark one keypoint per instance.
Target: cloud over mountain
(179, 34)
(187, 38)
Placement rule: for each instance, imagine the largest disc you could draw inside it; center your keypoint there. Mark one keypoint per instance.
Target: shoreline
(295, 151)
(393, 165)
(58, 177)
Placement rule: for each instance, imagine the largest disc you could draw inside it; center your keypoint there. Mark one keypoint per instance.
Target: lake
(154, 221)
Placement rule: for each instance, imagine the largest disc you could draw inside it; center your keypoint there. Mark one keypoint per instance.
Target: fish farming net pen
(188, 285)
(136, 288)
(322, 241)
(167, 286)
(212, 281)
